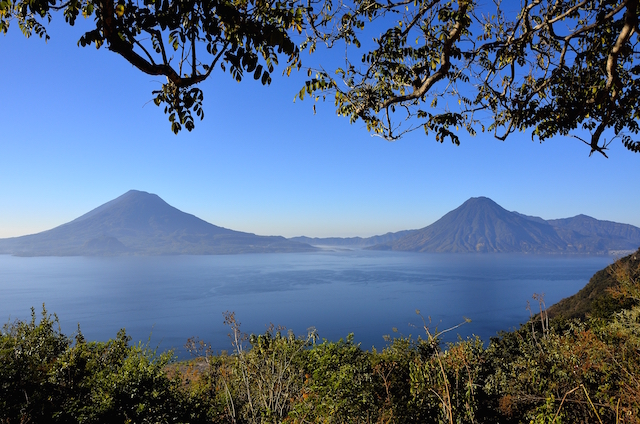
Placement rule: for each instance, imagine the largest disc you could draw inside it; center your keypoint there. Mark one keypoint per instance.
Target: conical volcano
(481, 225)
(142, 223)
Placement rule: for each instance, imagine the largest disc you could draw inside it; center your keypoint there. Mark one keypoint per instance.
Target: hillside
(142, 223)
(594, 299)
(588, 234)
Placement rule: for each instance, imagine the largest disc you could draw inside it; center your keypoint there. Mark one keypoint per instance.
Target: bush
(46, 378)
(28, 352)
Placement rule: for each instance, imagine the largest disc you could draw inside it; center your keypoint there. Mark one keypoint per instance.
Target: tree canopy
(551, 67)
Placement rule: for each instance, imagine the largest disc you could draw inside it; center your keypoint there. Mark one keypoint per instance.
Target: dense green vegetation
(549, 370)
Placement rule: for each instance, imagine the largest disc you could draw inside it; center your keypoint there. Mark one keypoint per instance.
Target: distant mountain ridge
(352, 241)
(142, 223)
(481, 225)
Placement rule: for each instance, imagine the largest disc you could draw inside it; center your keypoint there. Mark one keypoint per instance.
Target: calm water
(171, 298)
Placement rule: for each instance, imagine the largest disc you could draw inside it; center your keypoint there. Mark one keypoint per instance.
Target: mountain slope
(584, 233)
(481, 225)
(142, 223)
(594, 299)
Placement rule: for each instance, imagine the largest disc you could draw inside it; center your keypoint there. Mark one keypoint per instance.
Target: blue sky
(80, 128)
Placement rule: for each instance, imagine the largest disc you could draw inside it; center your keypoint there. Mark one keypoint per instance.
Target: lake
(167, 299)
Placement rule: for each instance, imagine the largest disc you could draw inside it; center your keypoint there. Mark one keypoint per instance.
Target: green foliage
(270, 375)
(46, 378)
(339, 384)
(533, 375)
(449, 382)
(28, 351)
(262, 379)
(124, 382)
(392, 371)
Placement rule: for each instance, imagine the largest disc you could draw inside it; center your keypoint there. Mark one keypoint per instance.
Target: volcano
(141, 223)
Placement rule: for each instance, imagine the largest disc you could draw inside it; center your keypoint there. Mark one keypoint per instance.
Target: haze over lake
(365, 292)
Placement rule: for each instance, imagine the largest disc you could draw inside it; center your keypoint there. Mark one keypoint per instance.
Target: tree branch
(445, 64)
